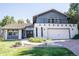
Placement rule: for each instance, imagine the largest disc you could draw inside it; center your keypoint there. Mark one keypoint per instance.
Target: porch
(18, 33)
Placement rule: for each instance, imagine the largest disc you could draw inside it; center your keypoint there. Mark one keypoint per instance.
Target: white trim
(20, 34)
(51, 25)
(5, 34)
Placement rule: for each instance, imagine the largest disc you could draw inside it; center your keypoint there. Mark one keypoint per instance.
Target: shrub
(76, 36)
(17, 44)
(36, 39)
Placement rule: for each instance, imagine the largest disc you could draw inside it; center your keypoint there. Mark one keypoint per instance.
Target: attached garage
(58, 33)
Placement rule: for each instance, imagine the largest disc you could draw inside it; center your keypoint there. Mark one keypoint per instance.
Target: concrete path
(72, 45)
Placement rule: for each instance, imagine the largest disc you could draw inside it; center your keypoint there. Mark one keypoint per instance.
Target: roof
(15, 26)
(34, 17)
(50, 11)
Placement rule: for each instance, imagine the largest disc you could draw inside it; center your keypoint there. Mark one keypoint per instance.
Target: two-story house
(50, 24)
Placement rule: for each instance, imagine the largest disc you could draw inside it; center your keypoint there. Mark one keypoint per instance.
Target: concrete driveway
(72, 45)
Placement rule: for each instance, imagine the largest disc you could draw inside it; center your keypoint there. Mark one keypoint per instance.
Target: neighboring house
(50, 24)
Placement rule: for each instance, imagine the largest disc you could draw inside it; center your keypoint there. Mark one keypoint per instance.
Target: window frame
(54, 20)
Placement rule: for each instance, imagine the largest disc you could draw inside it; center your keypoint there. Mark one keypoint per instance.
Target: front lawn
(48, 51)
(6, 50)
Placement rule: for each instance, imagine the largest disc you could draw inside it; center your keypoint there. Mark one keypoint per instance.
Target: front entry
(29, 33)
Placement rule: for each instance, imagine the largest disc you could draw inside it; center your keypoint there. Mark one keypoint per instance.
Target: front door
(29, 33)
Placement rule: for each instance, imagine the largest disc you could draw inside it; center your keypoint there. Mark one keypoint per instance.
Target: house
(50, 24)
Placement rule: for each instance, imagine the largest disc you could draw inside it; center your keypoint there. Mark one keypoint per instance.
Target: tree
(73, 13)
(0, 23)
(72, 17)
(75, 7)
(12, 20)
(20, 21)
(27, 21)
(7, 20)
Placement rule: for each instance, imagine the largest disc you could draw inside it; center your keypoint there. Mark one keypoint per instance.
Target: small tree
(72, 17)
(7, 20)
(13, 21)
(20, 21)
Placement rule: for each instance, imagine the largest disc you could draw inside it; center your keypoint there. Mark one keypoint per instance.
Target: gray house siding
(12, 37)
(54, 15)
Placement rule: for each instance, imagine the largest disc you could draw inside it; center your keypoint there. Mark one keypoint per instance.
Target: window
(50, 20)
(58, 20)
(54, 20)
(41, 32)
(13, 32)
(9, 33)
(36, 32)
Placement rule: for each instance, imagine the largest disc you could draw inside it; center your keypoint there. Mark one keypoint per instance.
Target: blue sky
(27, 10)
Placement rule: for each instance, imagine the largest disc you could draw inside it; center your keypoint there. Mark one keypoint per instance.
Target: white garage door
(58, 33)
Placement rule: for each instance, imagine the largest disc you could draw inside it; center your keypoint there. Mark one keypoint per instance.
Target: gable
(49, 14)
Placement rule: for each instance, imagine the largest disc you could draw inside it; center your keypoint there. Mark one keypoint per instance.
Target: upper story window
(58, 20)
(50, 20)
(53, 20)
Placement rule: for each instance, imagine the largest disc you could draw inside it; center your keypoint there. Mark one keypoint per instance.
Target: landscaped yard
(6, 50)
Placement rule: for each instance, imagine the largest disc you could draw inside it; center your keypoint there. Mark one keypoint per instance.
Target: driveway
(72, 45)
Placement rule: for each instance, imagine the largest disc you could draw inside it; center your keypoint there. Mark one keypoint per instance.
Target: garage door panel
(58, 33)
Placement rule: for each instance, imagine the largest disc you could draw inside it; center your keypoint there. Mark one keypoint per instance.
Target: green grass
(6, 50)
(48, 51)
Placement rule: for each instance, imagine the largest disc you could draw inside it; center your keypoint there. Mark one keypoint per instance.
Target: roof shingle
(15, 26)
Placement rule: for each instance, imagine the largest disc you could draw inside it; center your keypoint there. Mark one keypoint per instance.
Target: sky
(28, 10)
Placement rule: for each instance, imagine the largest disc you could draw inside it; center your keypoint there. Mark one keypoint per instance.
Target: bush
(17, 44)
(76, 36)
(36, 39)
